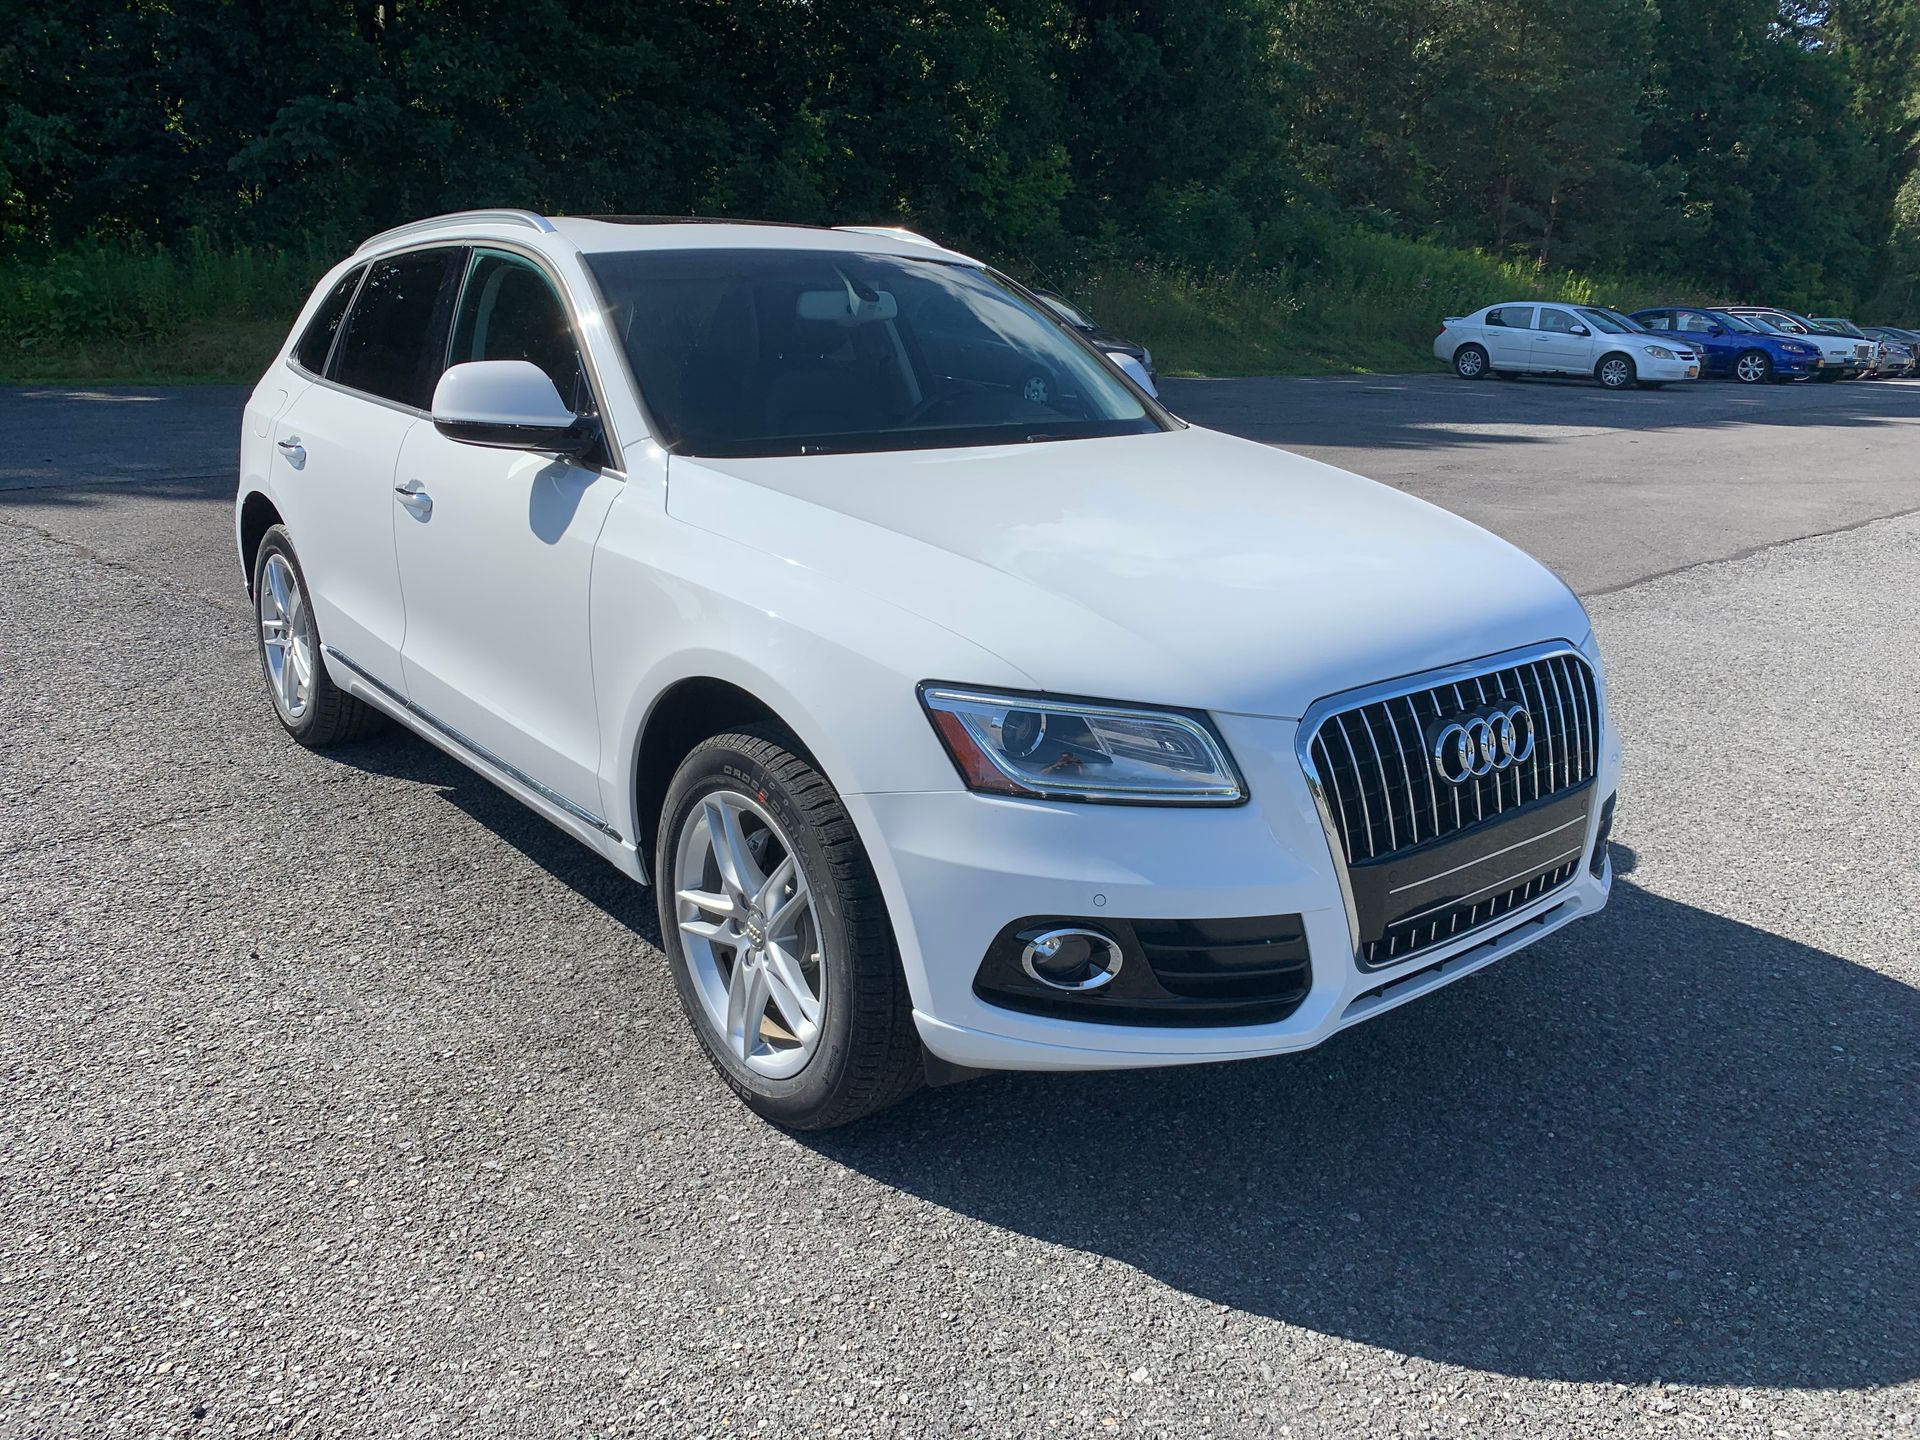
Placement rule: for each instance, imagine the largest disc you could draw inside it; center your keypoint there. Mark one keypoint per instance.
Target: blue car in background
(1731, 345)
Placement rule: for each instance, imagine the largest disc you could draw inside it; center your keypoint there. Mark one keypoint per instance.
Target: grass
(99, 313)
(1338, 300)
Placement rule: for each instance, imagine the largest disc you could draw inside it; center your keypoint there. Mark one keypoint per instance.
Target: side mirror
(508, 405)
(1581, 330)
(1134, 370)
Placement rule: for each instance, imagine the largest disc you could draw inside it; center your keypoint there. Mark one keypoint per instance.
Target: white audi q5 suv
(965, 709)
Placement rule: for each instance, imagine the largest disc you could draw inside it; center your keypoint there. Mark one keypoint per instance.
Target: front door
(496, 551)
(1562, 343)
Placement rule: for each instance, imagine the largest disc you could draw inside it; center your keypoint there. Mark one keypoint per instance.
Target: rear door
(496, 550)
(336, 445)
(1562, 343)
(1509, 334)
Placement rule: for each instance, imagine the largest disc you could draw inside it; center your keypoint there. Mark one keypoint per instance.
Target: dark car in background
(1899, 335)
(1733, 347)
(1096, 334)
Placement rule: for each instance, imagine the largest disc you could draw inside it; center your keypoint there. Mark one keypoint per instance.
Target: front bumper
(1664, 371)
(956, 868)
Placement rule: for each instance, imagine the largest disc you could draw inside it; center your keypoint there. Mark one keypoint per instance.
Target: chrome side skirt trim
(478, 751)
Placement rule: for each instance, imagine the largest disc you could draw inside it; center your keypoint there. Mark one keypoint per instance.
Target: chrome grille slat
(1371, 792)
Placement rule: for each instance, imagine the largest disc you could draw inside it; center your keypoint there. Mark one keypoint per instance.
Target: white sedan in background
(1530, 339)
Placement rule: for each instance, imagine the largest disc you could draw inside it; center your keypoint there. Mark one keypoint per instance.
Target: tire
(1470, 362)
(312, 709)
(857, 1052)
(1616, 372)
(1753, 367)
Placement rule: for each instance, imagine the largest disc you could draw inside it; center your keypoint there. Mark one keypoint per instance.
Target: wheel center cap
(756, 930)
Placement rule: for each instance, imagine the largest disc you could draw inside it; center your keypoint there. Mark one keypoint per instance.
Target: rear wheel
(1754, 367)
(1616, 372)
(314, 710)
(1470, 363)
(778, 936)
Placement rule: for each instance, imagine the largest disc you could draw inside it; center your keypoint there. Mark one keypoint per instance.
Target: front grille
(1393, 819)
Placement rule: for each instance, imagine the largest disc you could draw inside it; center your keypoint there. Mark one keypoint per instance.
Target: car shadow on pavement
(1662, 1145)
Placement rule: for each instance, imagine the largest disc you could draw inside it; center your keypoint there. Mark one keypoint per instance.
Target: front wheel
(1470, 363)
(1616, 372)
(1754, 367)
(778, 936)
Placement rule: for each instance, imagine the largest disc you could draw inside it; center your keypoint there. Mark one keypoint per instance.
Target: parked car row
(1751, 344)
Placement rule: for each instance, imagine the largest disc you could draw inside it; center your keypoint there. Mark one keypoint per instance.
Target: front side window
(316, 341)
(794, 352)
(509, 310)
(1557, 321)
(395, 334)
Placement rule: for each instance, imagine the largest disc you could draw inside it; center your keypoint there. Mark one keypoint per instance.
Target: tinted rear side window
(311, 352)
(395, 336)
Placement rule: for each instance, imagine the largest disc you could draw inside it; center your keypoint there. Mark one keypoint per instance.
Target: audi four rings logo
(1480, 743)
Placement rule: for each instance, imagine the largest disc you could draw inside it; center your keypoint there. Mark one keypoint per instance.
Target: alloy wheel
(1616, 373)
(751, 937)
(286, 637)
(1751, 369)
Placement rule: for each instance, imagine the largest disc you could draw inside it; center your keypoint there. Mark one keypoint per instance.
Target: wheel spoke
(737, 870)
(274, 632)
(277, 583)
(289, 681)
(781, 922)
(798, 1006)
(747, 995)
(768, 894)
(714, 902)
(711, 931)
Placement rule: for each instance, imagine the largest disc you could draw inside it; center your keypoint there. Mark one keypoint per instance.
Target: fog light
(1070, 958)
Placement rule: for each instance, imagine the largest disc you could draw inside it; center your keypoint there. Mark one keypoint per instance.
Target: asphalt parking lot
(345, 1098)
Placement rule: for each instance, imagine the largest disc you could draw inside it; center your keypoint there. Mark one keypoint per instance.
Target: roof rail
(462, 217)
(892, 232)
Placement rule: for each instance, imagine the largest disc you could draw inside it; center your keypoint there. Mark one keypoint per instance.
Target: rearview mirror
(508, 405)
(845, 307)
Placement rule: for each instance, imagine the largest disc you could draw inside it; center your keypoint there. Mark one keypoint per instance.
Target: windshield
(1067, 313)
(1772, 326)
(1613, 322)
(802, 352)
(1737, 322)
(1842, 327)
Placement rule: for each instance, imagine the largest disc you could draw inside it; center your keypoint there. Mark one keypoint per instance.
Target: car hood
(1183, 568)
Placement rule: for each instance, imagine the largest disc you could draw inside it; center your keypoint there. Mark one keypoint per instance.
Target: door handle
(414, 496)
(295, 452)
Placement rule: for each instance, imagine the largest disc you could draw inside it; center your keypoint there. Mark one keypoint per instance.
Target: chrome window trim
(474, 748)
(1327, 707)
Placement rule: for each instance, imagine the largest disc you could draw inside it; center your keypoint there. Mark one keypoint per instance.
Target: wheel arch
(684, 713)
(257, 515)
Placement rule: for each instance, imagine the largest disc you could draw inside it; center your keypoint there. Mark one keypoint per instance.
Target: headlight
(1074, 750)
(1659, 352)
